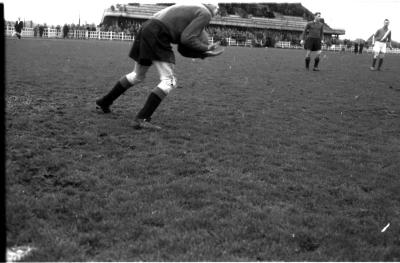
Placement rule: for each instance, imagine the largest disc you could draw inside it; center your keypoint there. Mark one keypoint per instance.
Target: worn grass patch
(258, 160)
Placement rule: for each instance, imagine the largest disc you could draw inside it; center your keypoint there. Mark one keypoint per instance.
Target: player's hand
(322, 42)
(301, 42)
(215, 52)
(214, 46)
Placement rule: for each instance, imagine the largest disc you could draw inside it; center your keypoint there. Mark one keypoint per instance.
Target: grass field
(258, 160)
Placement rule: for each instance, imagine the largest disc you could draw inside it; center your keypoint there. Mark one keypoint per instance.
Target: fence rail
(78, 34)
(109, 35)
(335, 48)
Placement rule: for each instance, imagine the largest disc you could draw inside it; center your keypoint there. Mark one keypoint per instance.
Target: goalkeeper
(177, 24)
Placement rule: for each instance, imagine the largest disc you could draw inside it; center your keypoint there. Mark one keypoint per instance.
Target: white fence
(101, 35)
(109, 35)
(335, 48)
(233, 42)
(78, 34)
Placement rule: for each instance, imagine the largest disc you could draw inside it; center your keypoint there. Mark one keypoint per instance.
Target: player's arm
(190, 36)
(322, 34)
(390, 40)
(303, 36)
(373, 37)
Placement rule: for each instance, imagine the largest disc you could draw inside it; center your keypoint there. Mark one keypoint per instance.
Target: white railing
(109, 35)
(77, 34)
(345, 48)
(283, 44)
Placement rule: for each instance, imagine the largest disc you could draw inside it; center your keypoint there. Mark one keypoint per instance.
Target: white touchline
(384, 229)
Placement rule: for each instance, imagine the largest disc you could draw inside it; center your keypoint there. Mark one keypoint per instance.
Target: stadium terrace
(281, 27)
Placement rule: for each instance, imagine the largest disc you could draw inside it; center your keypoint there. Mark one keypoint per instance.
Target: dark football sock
(153, 101)
(114, 93)
(316, 62)
(308, 62)
(373, 62)
(380, 63)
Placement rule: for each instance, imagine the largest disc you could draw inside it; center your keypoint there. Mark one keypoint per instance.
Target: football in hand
(191, 53)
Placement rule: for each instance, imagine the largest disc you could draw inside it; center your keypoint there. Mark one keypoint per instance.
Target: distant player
(179, 24)
(18, 28)
(312, 39)
(380, 40)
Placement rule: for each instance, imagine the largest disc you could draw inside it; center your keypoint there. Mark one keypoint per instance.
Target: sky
(359, 18)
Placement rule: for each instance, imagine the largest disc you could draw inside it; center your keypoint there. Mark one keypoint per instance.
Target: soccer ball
(204, 37)
(191, 53)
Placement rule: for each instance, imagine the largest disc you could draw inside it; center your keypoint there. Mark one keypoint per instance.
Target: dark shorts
(153, 42)
(313, 44)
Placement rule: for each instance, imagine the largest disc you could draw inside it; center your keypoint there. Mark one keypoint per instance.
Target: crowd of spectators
(39, 29)
(124, 25)
(259, 37)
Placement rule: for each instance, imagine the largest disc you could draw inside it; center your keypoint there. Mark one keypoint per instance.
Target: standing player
(380, 39)
(312, 39)
(179, 24)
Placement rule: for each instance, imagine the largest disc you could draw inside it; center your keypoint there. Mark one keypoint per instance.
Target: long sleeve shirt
(185, 23)
(313, 30)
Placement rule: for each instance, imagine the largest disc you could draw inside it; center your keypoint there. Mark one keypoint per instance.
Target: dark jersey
(186, 23)
(18, 26)
(313, 30)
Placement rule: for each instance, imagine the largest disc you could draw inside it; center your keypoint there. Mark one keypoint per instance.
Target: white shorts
(379, 47)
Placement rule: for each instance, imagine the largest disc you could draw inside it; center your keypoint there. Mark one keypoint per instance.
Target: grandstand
(138, 13)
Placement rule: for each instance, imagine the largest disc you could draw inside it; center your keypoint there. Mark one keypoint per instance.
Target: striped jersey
(383, 35)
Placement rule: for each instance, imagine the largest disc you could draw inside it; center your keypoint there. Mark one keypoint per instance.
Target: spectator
(35, 31)
(361, 43)
(356, 47)
(41, 30)
(18, 28)
(65, 31)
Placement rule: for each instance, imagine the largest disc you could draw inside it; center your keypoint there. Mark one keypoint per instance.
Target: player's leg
(316, 46)
(381, 56)
(380, 61)
(377, 51)
(122, 85)
(308, 53)
(316, 60)
(374, 59)
(308, 58)
(167, 83)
